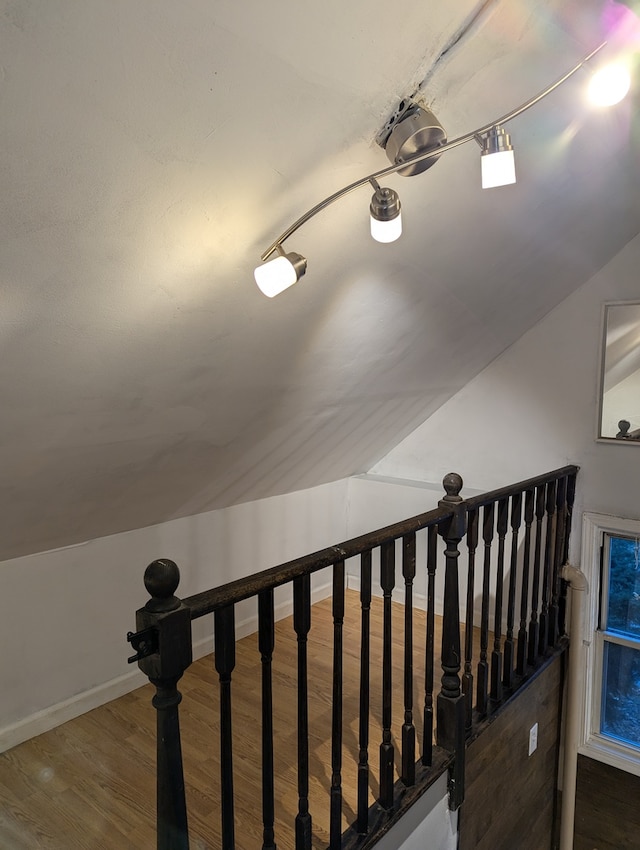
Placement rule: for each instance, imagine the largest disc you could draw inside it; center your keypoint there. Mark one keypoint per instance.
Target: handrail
(243, 588)
(521, 487)
(208, 601)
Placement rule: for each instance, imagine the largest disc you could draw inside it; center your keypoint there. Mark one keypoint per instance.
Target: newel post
(450, 705)
(163, 644)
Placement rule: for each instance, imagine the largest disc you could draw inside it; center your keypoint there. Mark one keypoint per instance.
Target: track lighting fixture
(413, 140)
(497, 160)
(386, 220)
(279, 274)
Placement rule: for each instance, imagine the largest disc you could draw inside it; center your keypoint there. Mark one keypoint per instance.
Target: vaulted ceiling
(149, 153)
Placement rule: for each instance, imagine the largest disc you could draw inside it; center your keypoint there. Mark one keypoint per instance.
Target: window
(611, 553)
(620, 635)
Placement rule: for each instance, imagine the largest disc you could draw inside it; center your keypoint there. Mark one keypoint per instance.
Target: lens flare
(609, 85)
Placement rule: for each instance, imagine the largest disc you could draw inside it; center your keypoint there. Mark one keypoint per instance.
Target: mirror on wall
(620, 383)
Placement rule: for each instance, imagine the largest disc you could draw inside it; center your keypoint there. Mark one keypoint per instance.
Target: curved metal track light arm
(420, 157)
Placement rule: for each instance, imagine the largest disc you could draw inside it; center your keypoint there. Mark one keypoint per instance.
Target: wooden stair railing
(534, 590)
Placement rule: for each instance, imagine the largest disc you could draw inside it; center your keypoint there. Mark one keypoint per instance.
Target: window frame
(595, 745)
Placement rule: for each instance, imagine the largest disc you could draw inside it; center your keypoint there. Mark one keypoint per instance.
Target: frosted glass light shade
(609, 85)
(498, 169)
(386, 231)
(384, 213)
(277, 275)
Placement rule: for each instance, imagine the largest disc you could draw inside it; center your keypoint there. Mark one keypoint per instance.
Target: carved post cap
(624, 426)
(452, 483)
(161, 578)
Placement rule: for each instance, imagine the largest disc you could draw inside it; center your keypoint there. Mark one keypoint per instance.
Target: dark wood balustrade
(520, 587)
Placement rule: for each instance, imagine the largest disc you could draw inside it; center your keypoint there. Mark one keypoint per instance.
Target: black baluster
(335, 822)
(427, 725)
(302, 624)
(509, 648)
(534, 624)
(571, 493)
(482, 695)
(408, 729)
(549, 552)
(529, 501)
(562, 601)
(365, 643)
(450, 704)
(467, 676)
(266, 643)
(387, 581)
(496, 655)
(225, 661)
(163, 641)
(561, 508)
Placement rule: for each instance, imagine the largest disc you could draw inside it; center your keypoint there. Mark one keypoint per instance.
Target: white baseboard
(61, 712)
(55, 715)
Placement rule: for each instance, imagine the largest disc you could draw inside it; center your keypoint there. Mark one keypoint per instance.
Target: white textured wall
(534, 409)
(64, 614)
(375, 502)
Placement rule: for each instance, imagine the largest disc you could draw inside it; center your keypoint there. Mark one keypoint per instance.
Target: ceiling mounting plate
(417, 131)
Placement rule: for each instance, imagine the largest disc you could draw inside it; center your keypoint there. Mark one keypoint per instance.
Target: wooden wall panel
(607, 808)
(510, 799)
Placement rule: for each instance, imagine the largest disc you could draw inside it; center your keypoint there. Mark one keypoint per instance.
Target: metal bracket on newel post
(163, 636)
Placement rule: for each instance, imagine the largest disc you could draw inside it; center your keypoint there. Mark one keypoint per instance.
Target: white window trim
(594, 745)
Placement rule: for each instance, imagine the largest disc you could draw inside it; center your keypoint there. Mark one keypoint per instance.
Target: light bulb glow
(609, 85)
(498, 169)
(386, 231)
(385, 217)
(275, 276)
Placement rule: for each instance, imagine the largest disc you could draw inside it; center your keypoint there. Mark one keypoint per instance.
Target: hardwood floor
(607, 813)
(91, 782)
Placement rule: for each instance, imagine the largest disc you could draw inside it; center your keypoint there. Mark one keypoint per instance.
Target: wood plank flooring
(607, 812)
(91, 782)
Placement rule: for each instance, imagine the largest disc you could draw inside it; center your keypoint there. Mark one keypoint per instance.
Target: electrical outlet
(533, 739)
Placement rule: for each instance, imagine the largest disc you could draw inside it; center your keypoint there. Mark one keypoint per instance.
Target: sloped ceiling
(150, 151)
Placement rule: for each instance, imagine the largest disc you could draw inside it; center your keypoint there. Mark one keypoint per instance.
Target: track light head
(276, 275)
(386, 220)
(497, 159)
